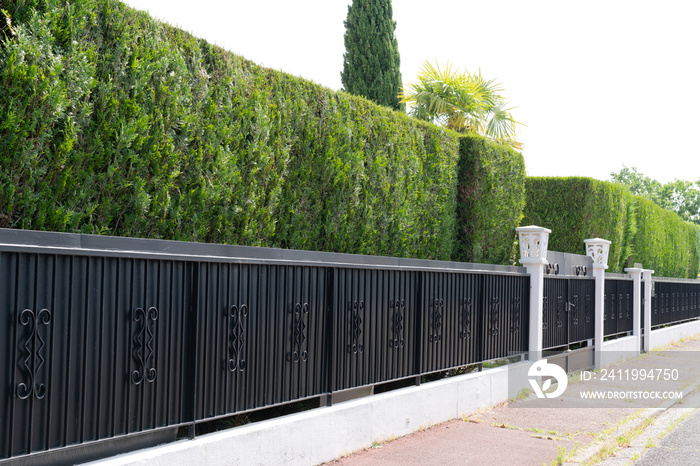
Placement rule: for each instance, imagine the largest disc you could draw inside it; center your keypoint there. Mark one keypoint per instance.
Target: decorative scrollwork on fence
(237, 328)
(300, 323)
(398, 307)
(552, 269)
(588, 308)
(545, 313)
(438, 305)
(356, 310)
(627, 307)
(573, 308)
(619, 306)
(515, 316)
(560, 311)
(466, 318)
(494, 316)
(33, 345)
(144, 344)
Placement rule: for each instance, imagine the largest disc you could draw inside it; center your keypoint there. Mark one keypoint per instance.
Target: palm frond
(461, 101)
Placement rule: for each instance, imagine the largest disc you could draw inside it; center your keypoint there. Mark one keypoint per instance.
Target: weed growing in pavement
(522, 394)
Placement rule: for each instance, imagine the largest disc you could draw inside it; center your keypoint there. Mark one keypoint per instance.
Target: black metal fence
(674, 302)
(105, 338)
(618, 306)
(568, 312)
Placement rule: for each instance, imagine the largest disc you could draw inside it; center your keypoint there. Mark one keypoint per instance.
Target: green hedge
(665, 242)
(576, 209)
(490, 201)
(113, 123)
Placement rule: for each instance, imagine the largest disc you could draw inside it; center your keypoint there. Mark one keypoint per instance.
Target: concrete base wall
(665, 336)
(627, 344)
(323, 434)
(619, 350)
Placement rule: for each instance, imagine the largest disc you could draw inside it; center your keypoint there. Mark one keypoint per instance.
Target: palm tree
(461, 101)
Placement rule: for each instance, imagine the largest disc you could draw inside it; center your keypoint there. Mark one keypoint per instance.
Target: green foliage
(576, 209)
(490, 201)
(679, 196)
(665, 241)
(640, 231)
(463, 102)
(371, 62)
(113, 123)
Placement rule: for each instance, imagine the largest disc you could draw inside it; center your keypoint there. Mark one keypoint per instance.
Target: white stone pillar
(598, 249)
(636, 274)
(534, 241)
(647, 309)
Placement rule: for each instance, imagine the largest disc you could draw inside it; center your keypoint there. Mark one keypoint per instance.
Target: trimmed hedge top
(640, 231)
(113, 123)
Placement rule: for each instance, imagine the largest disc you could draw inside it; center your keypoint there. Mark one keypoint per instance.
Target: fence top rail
(691, 281)
(41, 242)
(618, 276)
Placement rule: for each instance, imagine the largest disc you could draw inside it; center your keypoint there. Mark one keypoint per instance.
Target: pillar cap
(597, 240)
(533, 228)
(598, 249)
(534, 242)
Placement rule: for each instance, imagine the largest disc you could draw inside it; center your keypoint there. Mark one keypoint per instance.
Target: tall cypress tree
(371, 63)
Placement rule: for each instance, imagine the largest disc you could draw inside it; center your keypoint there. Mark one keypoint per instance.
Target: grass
(522, 394)
(563, 455)
(621, 441)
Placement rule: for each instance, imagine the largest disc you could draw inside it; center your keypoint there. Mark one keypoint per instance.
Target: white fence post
(647, 309)
(598, 249)
(636, 274)
(534, 241)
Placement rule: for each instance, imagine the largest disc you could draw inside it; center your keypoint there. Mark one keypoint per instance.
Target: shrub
(113, 123)
(640, 231)
(490, 201)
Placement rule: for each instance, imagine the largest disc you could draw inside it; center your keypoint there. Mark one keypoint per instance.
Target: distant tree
(682, 197)
(461, 101)
(637, 183)
(371, 63)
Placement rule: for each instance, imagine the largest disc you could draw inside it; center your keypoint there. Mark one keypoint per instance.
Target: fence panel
(618, 306)
(582, 310)
(260, 337)
(555, 321)
(375, 314)
(94, 350)
(504, 314)
(674, 302)
(449, 321)
(568, 312)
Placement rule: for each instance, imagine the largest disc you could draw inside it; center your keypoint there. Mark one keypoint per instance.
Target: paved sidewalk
(572, 432)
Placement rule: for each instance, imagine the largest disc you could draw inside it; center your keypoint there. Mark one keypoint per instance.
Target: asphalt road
(681, 446)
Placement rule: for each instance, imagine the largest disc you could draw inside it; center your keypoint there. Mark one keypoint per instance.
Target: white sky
(599, 84)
